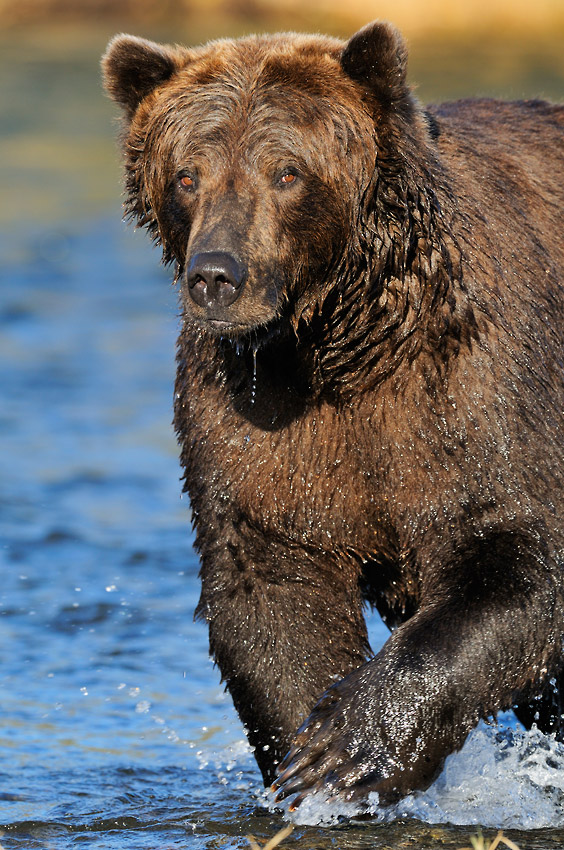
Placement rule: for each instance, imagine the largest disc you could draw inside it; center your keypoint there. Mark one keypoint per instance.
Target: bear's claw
(318, 761)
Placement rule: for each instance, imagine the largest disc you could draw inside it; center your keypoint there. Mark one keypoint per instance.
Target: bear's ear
(376, 57)
(132, 67)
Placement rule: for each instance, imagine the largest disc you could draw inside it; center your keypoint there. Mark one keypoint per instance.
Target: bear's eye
(187, 181)
(288, 177)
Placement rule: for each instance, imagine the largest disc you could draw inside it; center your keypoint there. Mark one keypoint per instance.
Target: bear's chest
(311, 481)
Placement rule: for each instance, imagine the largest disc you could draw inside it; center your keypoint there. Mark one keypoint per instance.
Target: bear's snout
(215, 280)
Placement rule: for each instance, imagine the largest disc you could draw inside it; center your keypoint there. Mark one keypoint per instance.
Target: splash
(503, 777)
(317, 810)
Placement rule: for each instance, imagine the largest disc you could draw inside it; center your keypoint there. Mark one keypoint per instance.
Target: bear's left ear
(132, 67)
(376, 57)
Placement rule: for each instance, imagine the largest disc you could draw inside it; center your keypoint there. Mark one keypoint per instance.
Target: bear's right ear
(376, 58)
(132, 67)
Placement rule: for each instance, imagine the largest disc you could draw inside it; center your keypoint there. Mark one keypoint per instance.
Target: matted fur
(378, 414)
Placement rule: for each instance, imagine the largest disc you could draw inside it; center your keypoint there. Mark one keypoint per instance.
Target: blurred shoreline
(415, 18)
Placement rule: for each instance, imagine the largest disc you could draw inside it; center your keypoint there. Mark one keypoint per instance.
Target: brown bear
(370, 392)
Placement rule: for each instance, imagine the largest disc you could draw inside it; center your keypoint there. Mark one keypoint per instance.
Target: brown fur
(377, 413)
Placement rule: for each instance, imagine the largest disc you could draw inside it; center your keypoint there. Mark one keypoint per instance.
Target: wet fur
(382, 420)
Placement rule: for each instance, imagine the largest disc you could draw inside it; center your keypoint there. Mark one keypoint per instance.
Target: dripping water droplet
(254, 380)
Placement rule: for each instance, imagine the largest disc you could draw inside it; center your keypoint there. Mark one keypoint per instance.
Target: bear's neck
(399, 299)
(349, 346)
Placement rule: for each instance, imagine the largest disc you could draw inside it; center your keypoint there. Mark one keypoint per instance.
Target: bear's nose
(215, 279)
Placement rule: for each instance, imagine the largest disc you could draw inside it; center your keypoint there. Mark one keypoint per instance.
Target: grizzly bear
(369, 396)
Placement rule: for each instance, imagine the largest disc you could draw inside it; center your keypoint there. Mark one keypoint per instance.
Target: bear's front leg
(388, 726)
(283, 628)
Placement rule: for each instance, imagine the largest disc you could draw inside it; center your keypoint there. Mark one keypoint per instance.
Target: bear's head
(268, 164)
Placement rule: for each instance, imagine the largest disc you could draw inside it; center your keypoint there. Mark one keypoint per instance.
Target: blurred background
(57, 159)
(114, 728)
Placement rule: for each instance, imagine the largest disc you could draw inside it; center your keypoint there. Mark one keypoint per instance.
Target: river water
(114, 729)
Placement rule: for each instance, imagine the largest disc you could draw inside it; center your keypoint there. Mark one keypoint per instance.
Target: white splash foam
(503, 778)
(316, 809)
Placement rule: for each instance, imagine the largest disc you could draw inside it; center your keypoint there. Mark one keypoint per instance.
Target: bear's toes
(336, 773)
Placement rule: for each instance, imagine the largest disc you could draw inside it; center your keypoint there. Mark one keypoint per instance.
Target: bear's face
(250, 161)
(250, 187)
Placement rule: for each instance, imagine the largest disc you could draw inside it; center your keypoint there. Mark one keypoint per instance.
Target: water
(114, 729)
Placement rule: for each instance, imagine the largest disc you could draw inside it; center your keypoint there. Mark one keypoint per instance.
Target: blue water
(106, 690)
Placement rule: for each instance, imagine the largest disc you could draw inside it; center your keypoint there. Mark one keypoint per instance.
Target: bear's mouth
(239, 327)
(223, 328)
(240, 334)
(221, 325)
